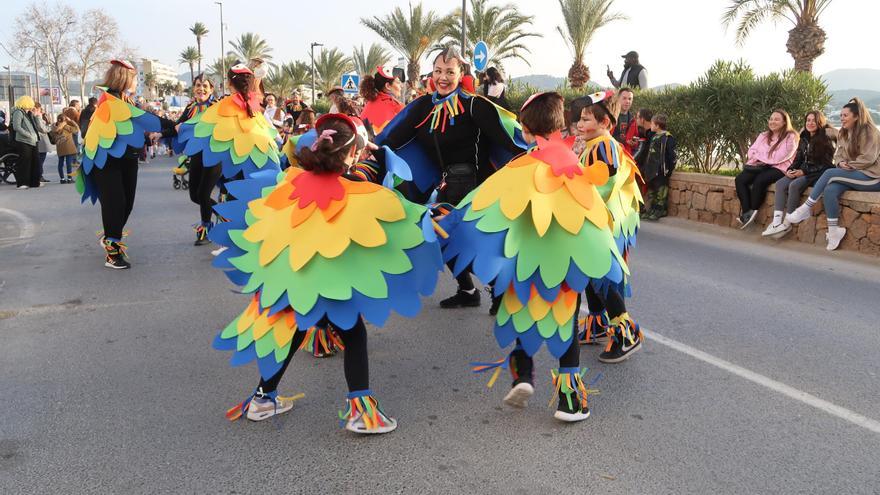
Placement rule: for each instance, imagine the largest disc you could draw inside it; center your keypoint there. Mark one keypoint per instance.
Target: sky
(677, 39)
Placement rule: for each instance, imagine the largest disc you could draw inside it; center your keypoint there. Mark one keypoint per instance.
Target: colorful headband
(381, 71)
(123, 63)
(336, 116)
(241, 69)
(529, 100)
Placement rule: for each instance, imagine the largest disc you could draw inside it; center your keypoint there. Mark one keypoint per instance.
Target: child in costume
(540, 231)
(202, 179)
(316, 248)
(608, 318)
(112, 144)
(659, 165)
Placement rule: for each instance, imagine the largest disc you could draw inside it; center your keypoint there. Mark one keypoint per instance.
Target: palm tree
(329, 67)
(365, 62)
(298, 72)
(502, 27)
(279, 82)
(190, 56)
(250, 46)
(582, 19)
(410, 33)
(806, 41)
(150, 82)
(200, 31)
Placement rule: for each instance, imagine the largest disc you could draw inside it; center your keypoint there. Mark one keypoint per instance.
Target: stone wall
(712, 199)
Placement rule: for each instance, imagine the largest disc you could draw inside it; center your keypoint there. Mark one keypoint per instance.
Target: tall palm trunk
(806, 42)
(412, 73)
(199, 48)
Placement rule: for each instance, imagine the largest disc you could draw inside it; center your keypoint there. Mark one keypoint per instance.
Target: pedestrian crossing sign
(350, 83)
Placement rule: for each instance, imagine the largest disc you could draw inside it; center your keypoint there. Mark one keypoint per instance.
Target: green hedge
(716, 118)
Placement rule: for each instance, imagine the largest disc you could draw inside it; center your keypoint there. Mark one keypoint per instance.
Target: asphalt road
(764, 378)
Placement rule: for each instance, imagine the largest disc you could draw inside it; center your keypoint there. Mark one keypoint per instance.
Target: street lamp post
(313, 69)
(9, 86)
(463, 28)
(222, 43)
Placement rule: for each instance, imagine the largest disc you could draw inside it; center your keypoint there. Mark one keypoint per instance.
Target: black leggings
(357, 364)
(27, 167)
(117, 183)
(611, 301)
(201, 184)
(751, 198)
(522, 365)
(464, 279)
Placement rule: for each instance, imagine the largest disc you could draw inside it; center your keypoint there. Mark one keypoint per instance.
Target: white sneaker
(834, 236)
(800, 214)
(357, 425)
(22, 188)
(777, 229)
(218, 251)
(260, 409)
(519, 395)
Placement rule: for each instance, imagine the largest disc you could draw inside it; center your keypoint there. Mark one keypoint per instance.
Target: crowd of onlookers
(832, 161)
(32, 135)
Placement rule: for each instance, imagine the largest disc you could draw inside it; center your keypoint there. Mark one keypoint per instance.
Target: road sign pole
(463, 28)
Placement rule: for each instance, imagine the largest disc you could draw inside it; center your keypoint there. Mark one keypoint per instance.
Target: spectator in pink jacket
(768, 159)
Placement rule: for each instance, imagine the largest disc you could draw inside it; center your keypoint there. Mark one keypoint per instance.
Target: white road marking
(786, 390)
(26, 226)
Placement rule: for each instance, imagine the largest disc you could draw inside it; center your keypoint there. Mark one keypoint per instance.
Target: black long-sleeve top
(465, 142)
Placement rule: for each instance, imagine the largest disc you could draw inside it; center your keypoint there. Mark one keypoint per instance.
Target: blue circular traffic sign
(481, 56)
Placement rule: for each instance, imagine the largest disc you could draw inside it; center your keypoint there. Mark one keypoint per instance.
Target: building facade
(163, 74)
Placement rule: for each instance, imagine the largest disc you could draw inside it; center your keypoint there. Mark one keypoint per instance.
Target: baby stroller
(8, 157)
(180, 174)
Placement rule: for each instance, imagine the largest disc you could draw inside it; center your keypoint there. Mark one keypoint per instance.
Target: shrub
(321, 106)
(716, 118)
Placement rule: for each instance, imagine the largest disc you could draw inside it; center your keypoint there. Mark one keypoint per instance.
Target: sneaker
(265, 407)
(22, 188)
(834, 236)
(623, 344)
(201, 236)
(219, 251)
(365, 417)
(70, 179)
(44, 180)
(595, 329)
(747, 218)
(519, 395)
(571, 406)
(779, 229)
(800, 214)
(462, 299)
(115, 256)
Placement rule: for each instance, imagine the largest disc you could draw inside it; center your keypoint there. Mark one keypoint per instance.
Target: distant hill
(543, 82)
(842, 79)
(841, 96)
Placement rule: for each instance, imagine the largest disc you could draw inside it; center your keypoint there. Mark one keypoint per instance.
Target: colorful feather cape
(539, 230)
(621, 193)
(423, 162)
(224, 134)
(313, 246)
(115, 125)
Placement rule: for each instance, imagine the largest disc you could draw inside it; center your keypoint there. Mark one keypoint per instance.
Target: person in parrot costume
(540, 233)
(116, 134)
(608, 320)
(315, 246)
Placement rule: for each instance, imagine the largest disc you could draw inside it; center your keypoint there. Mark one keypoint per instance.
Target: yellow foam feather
(357, 221)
